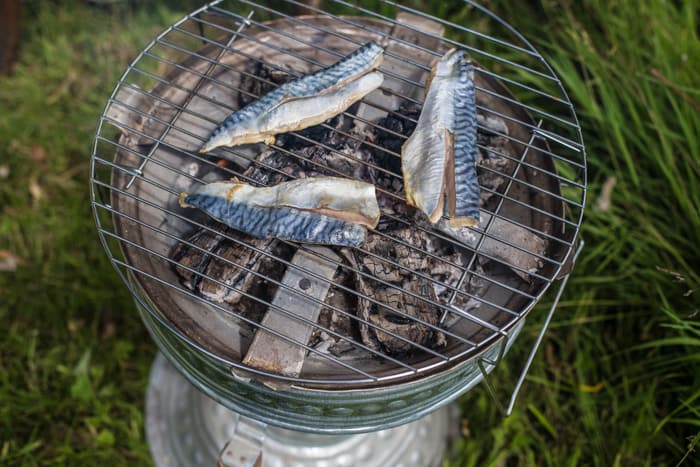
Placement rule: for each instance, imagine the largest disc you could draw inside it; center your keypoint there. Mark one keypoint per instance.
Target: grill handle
(486, 365)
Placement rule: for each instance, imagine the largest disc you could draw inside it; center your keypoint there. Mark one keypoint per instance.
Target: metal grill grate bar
(472, 261)
(281, 309)
(452, 25)
(485, 148)
(568, 143)
(279, 284)
(369, 276)
(242, 318)
(316, 325)
(393, 21)
(164, 60)
(240, 175)
(387, 53)
(236, 364)
(367, 143)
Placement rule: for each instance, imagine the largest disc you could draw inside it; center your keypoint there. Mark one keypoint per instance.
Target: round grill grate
(416, 300)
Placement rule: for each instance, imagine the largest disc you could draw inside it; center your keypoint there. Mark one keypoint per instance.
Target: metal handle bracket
(482, 362)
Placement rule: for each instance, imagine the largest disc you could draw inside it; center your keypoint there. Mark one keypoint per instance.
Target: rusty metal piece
(269, 352)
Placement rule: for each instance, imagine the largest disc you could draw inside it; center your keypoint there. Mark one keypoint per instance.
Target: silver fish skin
(298, 114)
(463, 192)
(427, 152)
(241, 126)
(323, 210)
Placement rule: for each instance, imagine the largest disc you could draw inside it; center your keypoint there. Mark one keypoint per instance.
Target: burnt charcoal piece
(194, 258)
(265, 79)
(402, 122)
(308, 137)
(386, 253)
(272, 167)
(341, 323)
(403, 327)
(492, 163)
(340, 162)
(232, 278)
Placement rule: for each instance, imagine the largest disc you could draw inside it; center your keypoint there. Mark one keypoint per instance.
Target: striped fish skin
(333, 212)
(241, 126)
(464, 205)
(298, 114)
(284, 223)
(427, 152)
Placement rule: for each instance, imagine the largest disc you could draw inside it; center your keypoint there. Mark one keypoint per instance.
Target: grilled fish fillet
(438, 160)
(325, 210)
(304, 102)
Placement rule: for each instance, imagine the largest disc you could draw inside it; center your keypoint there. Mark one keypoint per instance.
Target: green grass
(617, 379)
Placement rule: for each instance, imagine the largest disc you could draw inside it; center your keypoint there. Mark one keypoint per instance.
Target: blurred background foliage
(617, 380)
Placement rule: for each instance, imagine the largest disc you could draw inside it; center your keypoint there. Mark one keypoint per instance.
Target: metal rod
(472, 261)
(253, 39)
(266, 278)
(242, 318)
(373, 145)
(393, 21)
(238, 365)
(432, 255)
(531, 356)
(540, 336)
(276, 308)
(392, 217)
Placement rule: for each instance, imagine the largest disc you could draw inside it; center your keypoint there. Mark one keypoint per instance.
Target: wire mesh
(134, 201)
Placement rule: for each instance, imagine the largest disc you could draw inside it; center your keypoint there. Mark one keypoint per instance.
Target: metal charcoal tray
(162, 117)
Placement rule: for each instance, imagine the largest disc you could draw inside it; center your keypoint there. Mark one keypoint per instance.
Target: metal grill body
(194, 74)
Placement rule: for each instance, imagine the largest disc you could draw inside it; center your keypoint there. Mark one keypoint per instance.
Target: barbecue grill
(288, 362)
